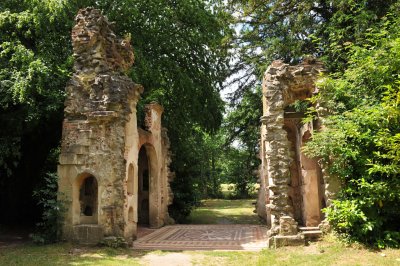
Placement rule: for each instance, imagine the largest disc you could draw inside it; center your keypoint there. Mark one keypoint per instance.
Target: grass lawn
(221, 211)
(66, 254)
(327, 252)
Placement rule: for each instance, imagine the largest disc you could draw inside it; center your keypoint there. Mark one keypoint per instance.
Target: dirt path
(170, 259)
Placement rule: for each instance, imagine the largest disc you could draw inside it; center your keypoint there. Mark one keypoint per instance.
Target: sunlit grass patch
(67, 254)
(329, 251)
(220, 211)
(326, 252)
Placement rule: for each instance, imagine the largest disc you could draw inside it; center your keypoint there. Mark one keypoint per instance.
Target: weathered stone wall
(263, 195)
(292, 181)
(154, 138)
(167, 194)
(100, 136)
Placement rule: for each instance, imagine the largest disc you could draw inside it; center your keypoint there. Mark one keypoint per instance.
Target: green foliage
(200, 171)
(34, 67)
(179, 61)
(114, 242)
(211, 169)
(238, 168)
(300, 105)
(49, 229)
(290, 30)
(240, 161)
(360, 143)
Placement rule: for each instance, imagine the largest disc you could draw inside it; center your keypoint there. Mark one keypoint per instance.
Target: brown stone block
(88, 234)
(78, 149)
(71, 158)
(282, 241)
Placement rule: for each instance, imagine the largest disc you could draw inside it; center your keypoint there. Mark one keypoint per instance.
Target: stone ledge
(88, 234)
(282, 241)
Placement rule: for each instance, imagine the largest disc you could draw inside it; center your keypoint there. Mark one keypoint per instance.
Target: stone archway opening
(143, 188)
(147, 187)
(86, 199)
(305, 190)
(311, 186)
(295, 188)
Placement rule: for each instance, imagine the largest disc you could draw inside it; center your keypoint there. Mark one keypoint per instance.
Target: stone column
(282, 86)
(277, 147)
(97, 108)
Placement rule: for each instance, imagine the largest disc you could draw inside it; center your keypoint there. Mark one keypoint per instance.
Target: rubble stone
(293, 189)
(101, 172)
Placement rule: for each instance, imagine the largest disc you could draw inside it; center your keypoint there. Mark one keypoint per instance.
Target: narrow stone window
(130, 215)
(129, 183)
(88, 196)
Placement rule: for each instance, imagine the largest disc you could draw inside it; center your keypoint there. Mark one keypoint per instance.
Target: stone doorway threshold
(205, 237)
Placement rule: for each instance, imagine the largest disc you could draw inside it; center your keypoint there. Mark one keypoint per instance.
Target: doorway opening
(305, 188)
(88, 202)
(143, 188)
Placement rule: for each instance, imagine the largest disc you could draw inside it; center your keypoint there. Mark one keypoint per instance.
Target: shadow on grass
(69, 254)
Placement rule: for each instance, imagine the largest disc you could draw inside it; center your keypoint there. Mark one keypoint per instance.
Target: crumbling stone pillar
(99, 160)
(282, 85)
(98, 103)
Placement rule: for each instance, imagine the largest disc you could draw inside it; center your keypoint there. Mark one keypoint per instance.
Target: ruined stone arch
(101, 138)
(148, 185)
(294, 184)
(85, 200)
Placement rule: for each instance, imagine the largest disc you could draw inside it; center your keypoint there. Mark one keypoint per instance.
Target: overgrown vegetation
(242, 133)
(359, 44)
(361, 141)
(49, 228)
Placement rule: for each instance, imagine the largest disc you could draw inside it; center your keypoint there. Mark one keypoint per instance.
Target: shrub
(49, 229)
(361, 139)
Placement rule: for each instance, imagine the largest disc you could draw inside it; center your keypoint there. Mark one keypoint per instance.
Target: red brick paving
(205, 237)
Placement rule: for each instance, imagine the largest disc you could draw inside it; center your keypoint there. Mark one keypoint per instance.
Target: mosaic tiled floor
(205, 237)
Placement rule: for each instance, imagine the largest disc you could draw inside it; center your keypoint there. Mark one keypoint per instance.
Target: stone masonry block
(88, 234)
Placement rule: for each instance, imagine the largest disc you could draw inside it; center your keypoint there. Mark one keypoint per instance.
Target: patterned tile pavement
(205, 237)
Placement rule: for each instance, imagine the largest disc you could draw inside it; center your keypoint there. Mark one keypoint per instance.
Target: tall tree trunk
(214, 178)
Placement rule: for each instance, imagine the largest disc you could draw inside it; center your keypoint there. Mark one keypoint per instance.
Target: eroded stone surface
(292, 187)
(99, 158)
(287, 226)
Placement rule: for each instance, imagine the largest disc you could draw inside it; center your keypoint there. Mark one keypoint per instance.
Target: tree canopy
(290, 30)
(361, 139)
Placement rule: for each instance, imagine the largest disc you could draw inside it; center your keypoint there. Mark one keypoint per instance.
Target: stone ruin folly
(293, 187)
(113, 175)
